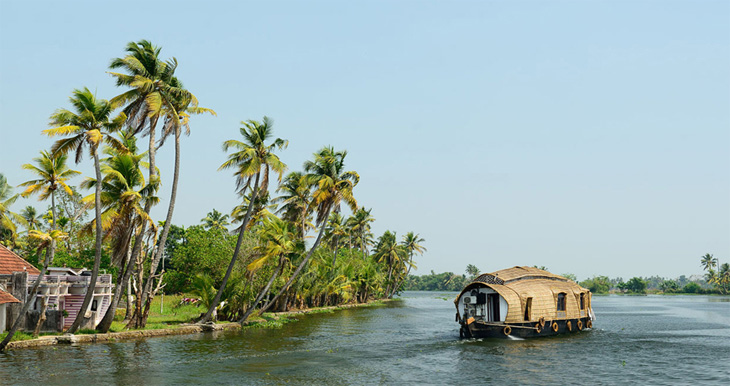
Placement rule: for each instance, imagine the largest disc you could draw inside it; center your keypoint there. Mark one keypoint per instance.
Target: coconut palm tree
(295, 198)
(332, 185)
(411, 242)
(90, 125)
(392, 255)
(252, 162)
(278, 241)
(360, 226)
(8, 219)
(45, 242)
(215, 220)
(52, 174)
(261, 209)
(708, 262)
(154, 93)
(32, 218)
(180, 105)
(335, 231)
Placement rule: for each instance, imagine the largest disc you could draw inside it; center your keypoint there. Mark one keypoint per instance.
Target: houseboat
(522, 302)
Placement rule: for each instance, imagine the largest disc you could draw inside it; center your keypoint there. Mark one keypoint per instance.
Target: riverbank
(268, 320)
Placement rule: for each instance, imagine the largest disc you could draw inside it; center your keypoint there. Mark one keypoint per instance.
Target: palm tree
(411, 242)
(335, 230)
(332, 185)
(181, 104)
(46, 240)
(708, 262)
(124, 190)
(52, 173)
(31, 217)
(252, 161)
(88, 126)
(154, 93)
(215, 220)
(295, 199)
(278, 241)
(389, 252)
(261, 209)
(360, 226)
(723, 277)
(8, 230)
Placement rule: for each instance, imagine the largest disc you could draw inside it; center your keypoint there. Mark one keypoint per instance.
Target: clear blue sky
(591, 137)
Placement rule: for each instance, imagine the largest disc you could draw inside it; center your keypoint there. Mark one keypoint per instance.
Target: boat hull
(478, 329)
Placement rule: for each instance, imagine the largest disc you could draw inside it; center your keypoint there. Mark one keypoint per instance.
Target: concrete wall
(53, 321)
(3, 318)
(17, 287)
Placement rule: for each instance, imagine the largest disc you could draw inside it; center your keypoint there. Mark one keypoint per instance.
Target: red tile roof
(10, 262)
(7, 298)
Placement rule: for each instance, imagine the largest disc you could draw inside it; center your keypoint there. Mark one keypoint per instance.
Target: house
(63, 290)
(5, 300)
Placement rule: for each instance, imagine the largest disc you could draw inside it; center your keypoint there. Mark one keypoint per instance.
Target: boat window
(561, 301)
(582, 301)
(528, 309)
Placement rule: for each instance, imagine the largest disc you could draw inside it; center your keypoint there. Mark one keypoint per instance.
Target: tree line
(713, 282)
(263, 263)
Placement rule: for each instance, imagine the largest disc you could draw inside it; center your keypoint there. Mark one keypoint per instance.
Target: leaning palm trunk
(41, 317)
(148, 294)
(299, 268)
(97, 258)
(127, 269)
(263, 293)
(122, 282)
(244, 223)
(137, 249)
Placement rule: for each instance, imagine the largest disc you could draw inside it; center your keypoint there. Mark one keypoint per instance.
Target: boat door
(493, 307)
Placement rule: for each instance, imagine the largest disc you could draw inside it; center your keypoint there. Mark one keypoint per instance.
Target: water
(636, 340)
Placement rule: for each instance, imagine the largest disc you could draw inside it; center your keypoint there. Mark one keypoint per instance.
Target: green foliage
(636, 285)
(692, 288)
(570, 276)
(446, 281)
(597, 284)
(472, 271)
(201, 250)
(669, 286)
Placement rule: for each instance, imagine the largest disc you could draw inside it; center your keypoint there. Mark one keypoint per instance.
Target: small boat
(522, 302)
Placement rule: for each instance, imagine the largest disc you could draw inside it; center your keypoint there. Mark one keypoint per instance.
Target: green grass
(172, 314)
(24, 335)
(269, 322)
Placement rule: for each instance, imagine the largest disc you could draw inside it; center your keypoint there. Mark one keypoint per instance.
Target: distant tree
(472, 271)
(636, 285)
(570, 276)
(708, 262)
(8, 219)
(32, 218)
(692, 288)
(669, 286)
(544, 268)
(215, 219)
(721, 279)
(597, 284)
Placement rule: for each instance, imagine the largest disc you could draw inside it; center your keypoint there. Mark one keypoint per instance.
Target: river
(657, 340)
